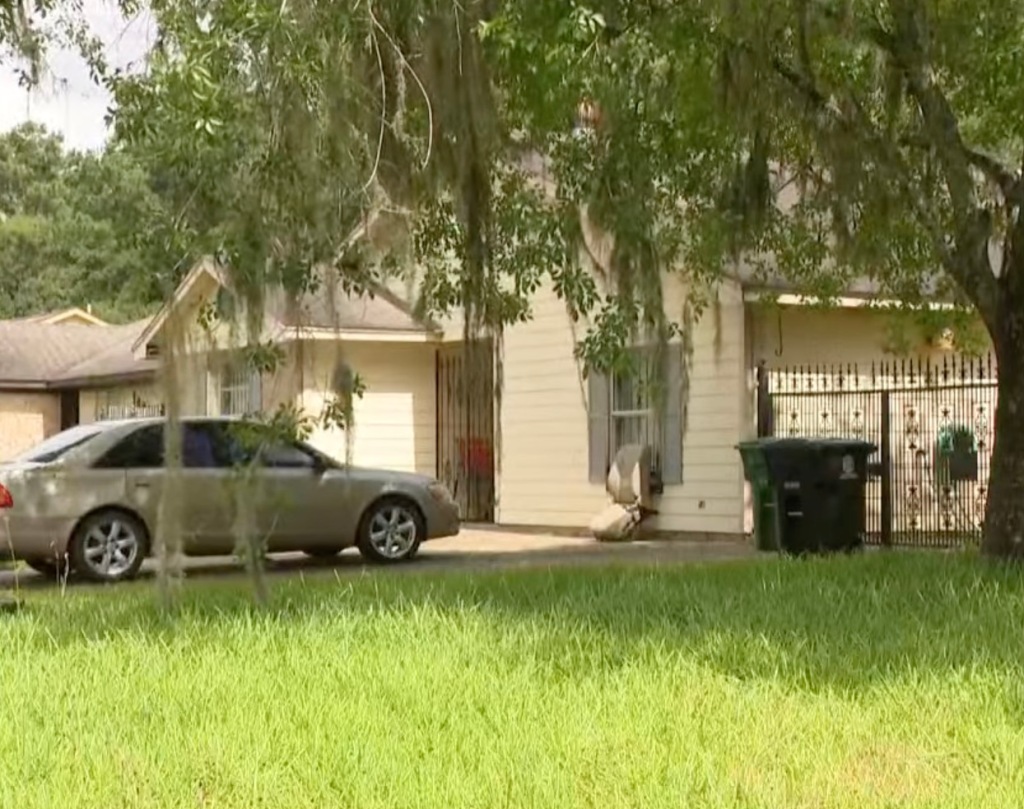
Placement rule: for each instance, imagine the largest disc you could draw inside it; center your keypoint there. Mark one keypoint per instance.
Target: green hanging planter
(956, 455)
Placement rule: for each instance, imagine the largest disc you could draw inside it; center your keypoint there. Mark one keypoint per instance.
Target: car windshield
(54, 447)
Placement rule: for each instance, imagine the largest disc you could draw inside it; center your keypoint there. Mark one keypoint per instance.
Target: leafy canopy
(78, 229)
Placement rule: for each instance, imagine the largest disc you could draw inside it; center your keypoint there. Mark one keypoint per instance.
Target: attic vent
(152, 351)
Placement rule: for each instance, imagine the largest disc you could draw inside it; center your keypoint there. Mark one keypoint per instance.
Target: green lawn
(878, 681)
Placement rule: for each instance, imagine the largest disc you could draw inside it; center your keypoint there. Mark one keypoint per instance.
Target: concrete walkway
(472, 550)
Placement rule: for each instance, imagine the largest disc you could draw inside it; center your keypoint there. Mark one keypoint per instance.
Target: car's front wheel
(391, 531)
(108, 546)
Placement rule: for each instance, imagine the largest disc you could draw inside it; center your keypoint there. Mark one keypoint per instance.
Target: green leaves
(80, 229)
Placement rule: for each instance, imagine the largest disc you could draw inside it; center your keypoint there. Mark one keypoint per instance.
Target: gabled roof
(48, 351)
(327, 307)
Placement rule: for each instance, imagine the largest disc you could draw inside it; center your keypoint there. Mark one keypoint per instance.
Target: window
(241, 391)
(142, 449)
(282, 455)
(633, 406)
(57, 445)
(624, 409)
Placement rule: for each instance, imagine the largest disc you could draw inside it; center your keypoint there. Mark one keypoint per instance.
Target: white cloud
(68, 101)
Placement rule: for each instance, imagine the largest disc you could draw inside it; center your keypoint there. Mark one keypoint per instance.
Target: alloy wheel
(393, 531)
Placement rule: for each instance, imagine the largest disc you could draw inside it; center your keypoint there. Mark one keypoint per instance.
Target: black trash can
(818, 491)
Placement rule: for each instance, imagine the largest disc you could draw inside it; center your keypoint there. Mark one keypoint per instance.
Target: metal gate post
(763, 402)
(886, 453)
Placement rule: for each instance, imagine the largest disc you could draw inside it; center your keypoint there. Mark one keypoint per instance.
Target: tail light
(6, 501)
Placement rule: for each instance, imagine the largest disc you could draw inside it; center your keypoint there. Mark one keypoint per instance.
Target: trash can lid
(777, 443)
(844, 443)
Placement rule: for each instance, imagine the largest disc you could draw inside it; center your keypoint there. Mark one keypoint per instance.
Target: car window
(142, 449)
(285, 455)
(57, 445)
(200, 447)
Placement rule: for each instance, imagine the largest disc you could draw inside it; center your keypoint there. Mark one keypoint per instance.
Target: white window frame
(636, 421)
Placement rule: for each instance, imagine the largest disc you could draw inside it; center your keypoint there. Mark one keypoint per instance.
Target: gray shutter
(256, 392)
(598, 426)
(672, 419)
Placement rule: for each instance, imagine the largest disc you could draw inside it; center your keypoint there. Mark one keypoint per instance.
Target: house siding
(25, 420)
(395, 420)
(790, 337)
(543, 474)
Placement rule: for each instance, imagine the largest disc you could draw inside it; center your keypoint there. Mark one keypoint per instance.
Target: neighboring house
(83, 317)
(56, 375)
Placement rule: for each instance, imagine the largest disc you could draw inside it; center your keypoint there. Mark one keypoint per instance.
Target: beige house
(560, 431)
(533, 453)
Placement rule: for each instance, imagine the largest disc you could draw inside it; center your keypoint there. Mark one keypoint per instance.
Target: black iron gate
(932, 421)
(465, 426)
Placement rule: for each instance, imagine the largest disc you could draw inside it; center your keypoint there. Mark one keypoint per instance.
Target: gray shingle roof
(38, 354)
(330, 307)
(34, 353)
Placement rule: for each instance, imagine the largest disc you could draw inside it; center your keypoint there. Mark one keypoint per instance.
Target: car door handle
(142, 485)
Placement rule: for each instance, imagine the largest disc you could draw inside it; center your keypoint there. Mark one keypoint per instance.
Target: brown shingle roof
(33, 353)
(38, 354)
(330, 307)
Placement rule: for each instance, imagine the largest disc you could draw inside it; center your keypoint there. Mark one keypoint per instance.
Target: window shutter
(256, 392)
(598, 426)
(672, 419)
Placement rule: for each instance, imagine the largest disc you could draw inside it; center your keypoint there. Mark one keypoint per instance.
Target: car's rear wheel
(391, 531)
(51, 568)
(322, 553)
(108, 546)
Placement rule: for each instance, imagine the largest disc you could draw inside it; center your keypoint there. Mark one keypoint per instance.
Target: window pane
(56, 445)
(280, 455)
(236, 390)
(143, 449)
(634, 417)
(198, 448)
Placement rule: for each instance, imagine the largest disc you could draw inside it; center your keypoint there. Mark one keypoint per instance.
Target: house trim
(290, 334)
(844, 302)
(154, 326)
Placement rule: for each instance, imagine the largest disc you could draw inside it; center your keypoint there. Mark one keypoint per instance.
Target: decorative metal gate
(931, 420)
(465, 426)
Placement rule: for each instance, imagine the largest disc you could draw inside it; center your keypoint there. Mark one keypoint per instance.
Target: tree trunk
(1004, 515)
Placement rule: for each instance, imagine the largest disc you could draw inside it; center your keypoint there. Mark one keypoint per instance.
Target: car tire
(391, 531)
(322, 553)
(108, 546)
(53, 569)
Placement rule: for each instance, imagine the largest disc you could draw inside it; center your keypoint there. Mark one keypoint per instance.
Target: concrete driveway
(473, 549)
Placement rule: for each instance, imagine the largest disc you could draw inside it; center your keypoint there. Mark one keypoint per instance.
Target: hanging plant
(956, 455)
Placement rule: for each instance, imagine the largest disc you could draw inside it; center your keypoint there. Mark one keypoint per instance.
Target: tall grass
(880, 681)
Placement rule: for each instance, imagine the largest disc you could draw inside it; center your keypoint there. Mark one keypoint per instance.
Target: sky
(68, 101)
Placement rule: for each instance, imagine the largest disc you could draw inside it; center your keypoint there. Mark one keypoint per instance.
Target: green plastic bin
(755, 469)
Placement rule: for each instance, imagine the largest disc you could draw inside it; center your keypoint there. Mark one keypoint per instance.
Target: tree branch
(907, 48)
